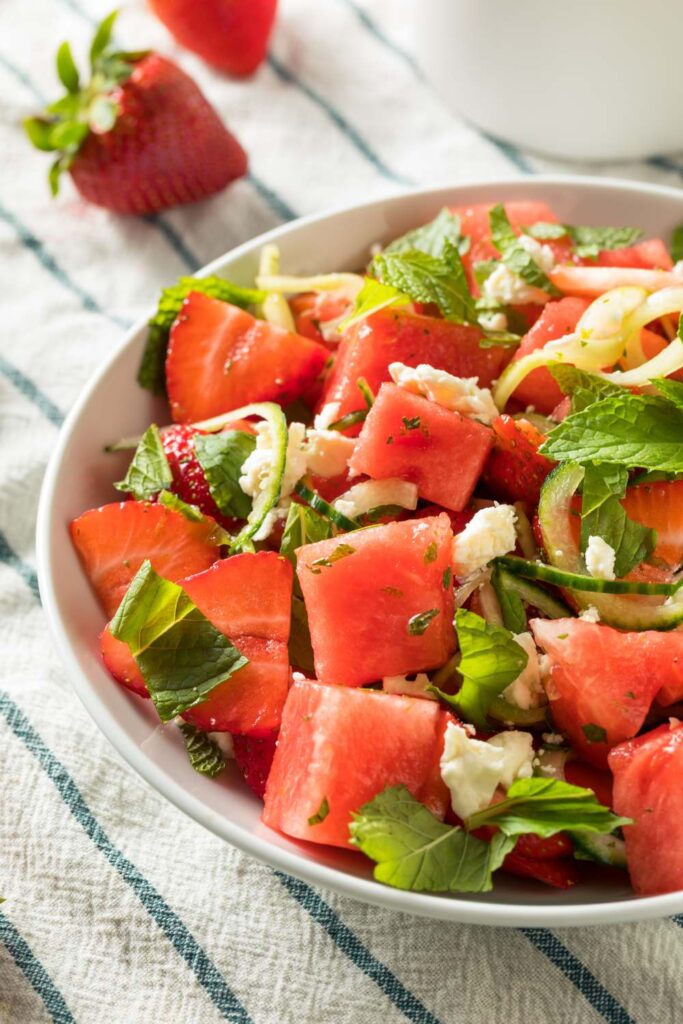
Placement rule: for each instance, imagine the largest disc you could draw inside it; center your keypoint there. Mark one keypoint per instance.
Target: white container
(79, 477)
(586, 80)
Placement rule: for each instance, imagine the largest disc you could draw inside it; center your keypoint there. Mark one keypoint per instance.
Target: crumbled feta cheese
(223, 741)
(473, 770)
(526, 691)
(678, 268)
(553, 739)
(257, 467)
(489, 534)
(327, 415)
(459, 394)
(370, 494)
(494, 321)
(328, 452)
(590, 614)
(504, 287)
(600, 558)
(298, 677)
(403, 686)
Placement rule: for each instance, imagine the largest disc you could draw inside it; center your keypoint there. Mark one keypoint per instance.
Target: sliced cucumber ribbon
(580, 582)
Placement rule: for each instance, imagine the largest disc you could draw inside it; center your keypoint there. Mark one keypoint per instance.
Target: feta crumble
(526, 691)
(328, 452)
(473, 770)
(327, 415)
(494, 321)
(405, 687)
(505, 288)
(600, 558)
(223, 741)
(370, 494)
(489, 534)
(590, 614)
(459, 394)
(258, 465)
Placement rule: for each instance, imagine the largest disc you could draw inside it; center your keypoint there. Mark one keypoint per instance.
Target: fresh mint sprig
(441, 280)
(603, 515)
(514, 255)
(222, 456)
(588, 241)
(149, 471)
(432, 237)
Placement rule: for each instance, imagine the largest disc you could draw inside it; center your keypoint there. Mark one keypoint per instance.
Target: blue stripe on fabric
(34, 245)
(175, 240)
(509, 151)
(22, 77)
(168, 921)
(349, 944)
(374, 29)
(34, 972)
(276, 202)
(665, 163)
(31, 391)
(588, 985)
(338, 119)
(10, 558)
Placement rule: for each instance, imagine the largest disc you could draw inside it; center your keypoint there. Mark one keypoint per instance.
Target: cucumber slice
(514, 591)
(502, 711)
(581, 582)
(608, 850)
(319, 504)
(554, 512)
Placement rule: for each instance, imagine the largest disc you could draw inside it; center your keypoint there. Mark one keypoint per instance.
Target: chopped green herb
(431, 553)
(411, 422)
(594, 733)
(204, 754)
(366, 391)
(447, 577)
(514, 255)
(341, 551)
(392, 591)
(677, 244)
(417, 624)
(320, 814)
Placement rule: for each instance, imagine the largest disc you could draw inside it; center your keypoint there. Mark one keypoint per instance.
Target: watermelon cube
(328, 760)
(408, 436)
(647, 787)
(248, 598)
(393, 335)
(379, 601)
(539, 388)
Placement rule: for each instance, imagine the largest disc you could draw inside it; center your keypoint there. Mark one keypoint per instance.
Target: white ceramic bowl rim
(297, 864)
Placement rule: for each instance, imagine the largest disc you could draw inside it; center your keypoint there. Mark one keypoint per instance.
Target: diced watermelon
(603, 681)
(474, 222)
(393, 335)
(652, 254)
(254, 758)
(363, 591)
(647, 787)
(114, 541)
(557, 319)
(408, 436)
(121, 664)
(660, 506)
(220, 358)
(329, 762)
(247, 597)
(514, 470)
(578, 773)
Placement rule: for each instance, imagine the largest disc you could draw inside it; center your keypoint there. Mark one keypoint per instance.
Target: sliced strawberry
(220, 357)
(515, 471)
(189, 481)
(560, 874)
(557, 319)
(311, 309)
(660, 506)
(553, 848)
(121, 664)
(113, 542)
(254, 756)
(580, 773)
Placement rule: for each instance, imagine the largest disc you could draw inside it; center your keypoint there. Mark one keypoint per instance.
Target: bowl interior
(79, 477)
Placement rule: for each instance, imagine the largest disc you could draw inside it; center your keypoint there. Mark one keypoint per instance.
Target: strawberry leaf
(67, 70)
(102, 38)
(40, 132)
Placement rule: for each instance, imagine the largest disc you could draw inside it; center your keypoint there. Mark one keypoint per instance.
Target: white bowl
(582, 81)
(79, 477)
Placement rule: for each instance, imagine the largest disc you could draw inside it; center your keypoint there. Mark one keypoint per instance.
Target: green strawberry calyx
(92, 107)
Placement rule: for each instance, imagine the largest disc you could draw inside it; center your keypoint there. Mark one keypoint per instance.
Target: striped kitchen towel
(120, 910)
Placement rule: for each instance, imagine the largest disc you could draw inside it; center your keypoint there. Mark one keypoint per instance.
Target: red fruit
(113, 542)
(392, 335)
(408, 436)
(603, 681)
(660, 506)
(230, 34)
(514, 470)
(121, 664)
(361, 600)
(647, 787)
(578, 773)
(248, 598)
(537, 848)
(220, 357)
(311, 309)
(560, 874)
(254, 757)
(189, 482)
(652, 254)
(539, 388)
(339, 748)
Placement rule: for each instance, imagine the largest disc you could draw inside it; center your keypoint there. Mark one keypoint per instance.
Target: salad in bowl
(405, 545)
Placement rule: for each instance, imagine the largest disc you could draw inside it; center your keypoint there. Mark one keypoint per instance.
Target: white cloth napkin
(118, 908)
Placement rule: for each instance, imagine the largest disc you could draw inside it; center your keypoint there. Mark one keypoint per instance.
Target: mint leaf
(151, 374)
(149, 472)
(583, 387)
(441, 280)
(204, 755)
(181, 655)
(373, 297)
(321, 813)
(514, 256)
(222, 456)
(490, 660)
(588, 241)
(636, 431)
(677, 243)
(544, 807)
(303, 526)
(545, 231)
(431, 237)
(594, 733)
(414, 850)
(602, 515)
(417, 624)
(671, 389)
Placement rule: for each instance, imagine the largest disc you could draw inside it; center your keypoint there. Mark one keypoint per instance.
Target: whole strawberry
(140, 136)
(230, 34)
